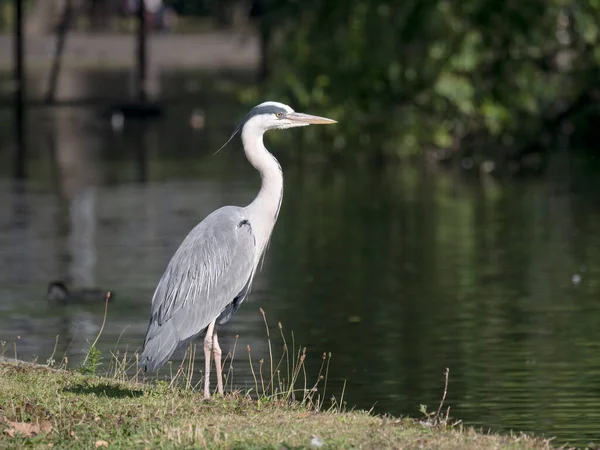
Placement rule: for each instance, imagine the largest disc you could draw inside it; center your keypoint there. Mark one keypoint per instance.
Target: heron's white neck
(263, 211)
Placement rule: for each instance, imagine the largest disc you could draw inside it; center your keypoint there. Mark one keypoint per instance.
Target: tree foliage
(488, 77)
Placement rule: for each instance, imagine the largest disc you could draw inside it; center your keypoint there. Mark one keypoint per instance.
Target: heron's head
(276, 116)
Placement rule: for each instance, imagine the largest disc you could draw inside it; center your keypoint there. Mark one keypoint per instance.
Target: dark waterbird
(211, 273)
(59, 294)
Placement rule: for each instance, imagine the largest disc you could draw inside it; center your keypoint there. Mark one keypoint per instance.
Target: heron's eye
(279, 115)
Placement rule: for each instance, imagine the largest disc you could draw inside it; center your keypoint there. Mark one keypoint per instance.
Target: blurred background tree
(489, 79)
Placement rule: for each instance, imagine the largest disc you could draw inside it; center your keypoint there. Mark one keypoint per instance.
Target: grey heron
(211, 273)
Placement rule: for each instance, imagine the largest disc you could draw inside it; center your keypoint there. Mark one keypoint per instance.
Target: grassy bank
(42, 407)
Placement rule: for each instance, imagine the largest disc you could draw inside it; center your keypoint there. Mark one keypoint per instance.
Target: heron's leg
(208, 346)
(217, 355)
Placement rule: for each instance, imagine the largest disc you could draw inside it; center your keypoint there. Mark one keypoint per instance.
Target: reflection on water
(399, 273)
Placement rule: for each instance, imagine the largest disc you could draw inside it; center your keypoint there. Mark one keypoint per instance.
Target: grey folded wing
(213, 266)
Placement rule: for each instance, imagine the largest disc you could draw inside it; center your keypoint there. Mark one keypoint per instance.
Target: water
(398, 273)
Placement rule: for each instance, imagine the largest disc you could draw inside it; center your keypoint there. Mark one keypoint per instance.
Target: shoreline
(43, 407)
(209, 50)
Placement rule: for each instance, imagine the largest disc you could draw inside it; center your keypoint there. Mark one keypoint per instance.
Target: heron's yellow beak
(307, 118)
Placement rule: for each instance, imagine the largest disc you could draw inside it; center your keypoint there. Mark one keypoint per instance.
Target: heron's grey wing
(213, 266)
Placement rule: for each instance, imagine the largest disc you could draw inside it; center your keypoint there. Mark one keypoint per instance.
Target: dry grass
(282, 378)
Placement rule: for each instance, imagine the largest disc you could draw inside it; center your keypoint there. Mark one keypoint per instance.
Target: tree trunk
(42, 16)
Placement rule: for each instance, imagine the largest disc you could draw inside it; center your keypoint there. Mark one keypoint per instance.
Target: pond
(400, 273)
